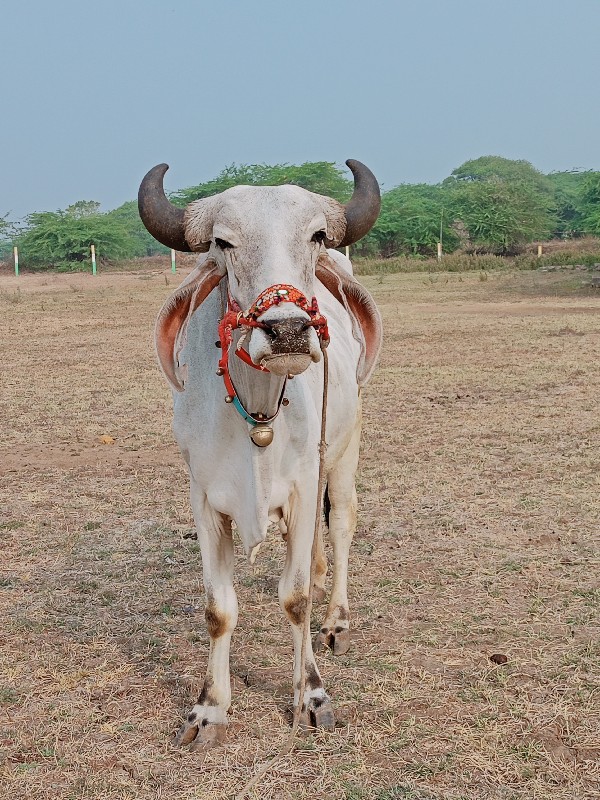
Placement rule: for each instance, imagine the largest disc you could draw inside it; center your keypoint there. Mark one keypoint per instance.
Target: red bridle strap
(234, 318)
(283, 293)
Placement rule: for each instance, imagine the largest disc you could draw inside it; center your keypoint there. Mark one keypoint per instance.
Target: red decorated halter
(234, 318)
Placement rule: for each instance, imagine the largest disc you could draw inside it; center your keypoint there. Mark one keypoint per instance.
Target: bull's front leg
(317, 710)
(206, 723)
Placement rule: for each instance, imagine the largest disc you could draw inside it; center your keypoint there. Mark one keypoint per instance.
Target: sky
(94, 94)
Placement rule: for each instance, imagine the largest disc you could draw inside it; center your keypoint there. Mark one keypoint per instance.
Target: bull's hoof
(337, 640)
(318, 714)
(201, 735)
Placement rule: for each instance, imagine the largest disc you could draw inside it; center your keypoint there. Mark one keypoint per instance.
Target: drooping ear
(367, 327)
(171, 325)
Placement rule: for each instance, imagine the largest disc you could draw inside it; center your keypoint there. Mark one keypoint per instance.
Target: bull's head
(259, 236)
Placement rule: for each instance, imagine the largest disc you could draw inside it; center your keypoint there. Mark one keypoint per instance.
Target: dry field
(478, 536)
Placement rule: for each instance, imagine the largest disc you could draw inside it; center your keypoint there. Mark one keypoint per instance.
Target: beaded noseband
(235, 318)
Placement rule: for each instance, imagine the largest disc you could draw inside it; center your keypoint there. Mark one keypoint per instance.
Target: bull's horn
(363, 207)
(162, 219)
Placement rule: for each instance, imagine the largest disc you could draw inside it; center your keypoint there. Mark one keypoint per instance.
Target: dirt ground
(478, 536)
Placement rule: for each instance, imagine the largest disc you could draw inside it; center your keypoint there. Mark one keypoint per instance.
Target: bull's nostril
(284, 328)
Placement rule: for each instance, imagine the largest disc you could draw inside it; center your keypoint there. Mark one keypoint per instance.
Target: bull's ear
(366, 319)
(171, 326)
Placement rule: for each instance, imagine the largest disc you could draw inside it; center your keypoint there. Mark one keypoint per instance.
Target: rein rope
(287, 746)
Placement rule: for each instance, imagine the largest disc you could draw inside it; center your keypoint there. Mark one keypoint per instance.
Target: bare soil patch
(478, 537)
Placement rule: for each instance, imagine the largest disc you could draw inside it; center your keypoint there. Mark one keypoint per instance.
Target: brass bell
(262, 435)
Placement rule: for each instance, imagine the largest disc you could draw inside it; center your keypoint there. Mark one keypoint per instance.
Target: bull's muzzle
(288, 335)
(285, 344)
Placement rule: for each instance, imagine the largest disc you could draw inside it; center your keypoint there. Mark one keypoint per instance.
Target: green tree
(322, 177)
(4, 237)
(8, 231)
(141, 242)
(410, 220)
(63, 238)
(497, 168)
(4, 225)
(568, 198)
(501, 217)
(502, 203)
(590, 203)
(83, 208)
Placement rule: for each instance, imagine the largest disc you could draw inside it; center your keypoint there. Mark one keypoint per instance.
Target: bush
(142, 243)
(500, 217)
(503, 204)
(590, 203)
(409, 222)
(63, 238)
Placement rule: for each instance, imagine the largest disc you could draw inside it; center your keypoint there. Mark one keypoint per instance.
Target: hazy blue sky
(94, 94)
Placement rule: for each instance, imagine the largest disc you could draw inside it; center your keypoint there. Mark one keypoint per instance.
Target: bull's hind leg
(206, 723)
(335, 631)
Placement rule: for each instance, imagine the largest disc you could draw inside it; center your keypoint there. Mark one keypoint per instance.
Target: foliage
(8, 231)
(322, 177)
(590, 203)
(497, 168)
(567, 197)
(410, 220)
(142, 243)
(4, 225)
(502, 204)
(59, 238)
(5, 249)
(83, 208)
(490, 205)
(502, 217)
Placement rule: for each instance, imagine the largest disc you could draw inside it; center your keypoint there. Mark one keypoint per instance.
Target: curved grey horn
(363, 207)
(161, 218)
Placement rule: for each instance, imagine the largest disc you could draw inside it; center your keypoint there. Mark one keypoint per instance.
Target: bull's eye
(319, 237)
(223, 244)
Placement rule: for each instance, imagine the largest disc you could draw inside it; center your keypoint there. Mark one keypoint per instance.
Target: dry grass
(583, 245)
(478, 535)
(570, 252)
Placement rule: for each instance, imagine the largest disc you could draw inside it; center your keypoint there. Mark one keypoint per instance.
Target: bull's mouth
(284, 353)
(286, 363)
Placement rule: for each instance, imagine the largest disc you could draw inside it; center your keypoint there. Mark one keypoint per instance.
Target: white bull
(254, 238)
